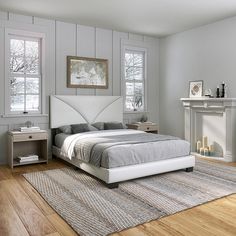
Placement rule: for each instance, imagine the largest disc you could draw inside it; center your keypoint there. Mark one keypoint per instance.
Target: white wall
(64, 39)
(206, 53)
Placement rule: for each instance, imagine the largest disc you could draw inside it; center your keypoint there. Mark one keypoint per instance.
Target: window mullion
(24, 76)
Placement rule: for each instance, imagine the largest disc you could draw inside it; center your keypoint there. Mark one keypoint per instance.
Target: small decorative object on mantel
(84, 72)
(218, 91)
(208, 93)
(223, 89)
(195, 88)
(222, 93)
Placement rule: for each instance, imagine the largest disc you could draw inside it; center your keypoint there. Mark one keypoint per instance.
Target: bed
(116, 155)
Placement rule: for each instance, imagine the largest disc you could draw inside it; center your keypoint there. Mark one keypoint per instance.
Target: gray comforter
(119, 148)
(91, 150)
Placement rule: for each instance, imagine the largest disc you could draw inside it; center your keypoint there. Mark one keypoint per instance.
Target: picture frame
(85, 72)
(195, 88)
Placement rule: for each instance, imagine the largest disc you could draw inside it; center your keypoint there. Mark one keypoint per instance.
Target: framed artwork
(84, 72)
(195, 88)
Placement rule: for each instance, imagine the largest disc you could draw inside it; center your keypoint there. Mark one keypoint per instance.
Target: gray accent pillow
(83, 127)
(66, 129)
(114, 125)
(98, 125)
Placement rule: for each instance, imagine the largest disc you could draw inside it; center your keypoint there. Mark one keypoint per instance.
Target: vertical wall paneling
(85, 48)
(20, 18)
(104, 50)
(49, 77)
(65, 46)
(3, 15)
(3, 144)
(2, 70)
(116, 61)
(152, 78)
(63, 39)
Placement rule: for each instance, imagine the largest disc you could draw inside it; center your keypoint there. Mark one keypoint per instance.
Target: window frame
(34, 36)
(144, 81)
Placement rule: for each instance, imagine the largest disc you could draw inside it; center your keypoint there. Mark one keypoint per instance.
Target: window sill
(24, 115)
(135, 112)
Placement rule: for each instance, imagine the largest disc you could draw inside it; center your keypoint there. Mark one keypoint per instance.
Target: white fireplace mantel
(215, 118)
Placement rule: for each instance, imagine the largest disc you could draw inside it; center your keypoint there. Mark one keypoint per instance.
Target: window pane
(138, 89)
(138, 103)
(17, 85)
(138, 73)
(32, 102)
(129, 88)
(17, 47)
(17, 64)
(128, 59)
(129, 72)
(138, 60)
(17, 103)
(32, 65)
(32, 85)
(32, 49)
(129, 103)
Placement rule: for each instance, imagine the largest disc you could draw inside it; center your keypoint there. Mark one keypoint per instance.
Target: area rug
(93, 209)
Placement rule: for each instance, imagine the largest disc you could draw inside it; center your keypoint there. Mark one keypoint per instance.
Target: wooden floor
(24, 212)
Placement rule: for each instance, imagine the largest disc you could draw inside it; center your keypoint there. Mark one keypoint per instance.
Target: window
(134, 79)
(23, 74)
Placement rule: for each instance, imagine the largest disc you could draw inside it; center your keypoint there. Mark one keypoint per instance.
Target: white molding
(219, 107)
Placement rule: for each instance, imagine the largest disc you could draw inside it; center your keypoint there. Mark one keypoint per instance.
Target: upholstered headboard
(66, 110)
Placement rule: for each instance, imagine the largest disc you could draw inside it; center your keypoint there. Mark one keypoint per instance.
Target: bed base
(119, 174)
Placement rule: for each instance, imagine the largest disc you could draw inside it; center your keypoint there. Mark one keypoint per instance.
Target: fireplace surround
(214, 118)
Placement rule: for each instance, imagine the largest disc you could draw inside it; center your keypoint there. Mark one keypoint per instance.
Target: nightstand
(27, 143)
(145, 126)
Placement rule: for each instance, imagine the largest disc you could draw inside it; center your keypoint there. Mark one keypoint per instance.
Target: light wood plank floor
(24, 212)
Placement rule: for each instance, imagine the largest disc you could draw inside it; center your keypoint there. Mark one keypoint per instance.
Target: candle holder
(223, 89)
(218, 92)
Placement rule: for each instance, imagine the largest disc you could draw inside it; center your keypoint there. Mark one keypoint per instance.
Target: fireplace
(214, 120)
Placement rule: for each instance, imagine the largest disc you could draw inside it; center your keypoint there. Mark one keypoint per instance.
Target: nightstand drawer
(150, 127)
(147, 127)
(29, 137)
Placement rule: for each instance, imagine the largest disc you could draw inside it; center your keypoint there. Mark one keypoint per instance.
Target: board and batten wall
(205, 53)
(64, 39)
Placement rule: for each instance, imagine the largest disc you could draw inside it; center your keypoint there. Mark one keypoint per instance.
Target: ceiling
(150, 17)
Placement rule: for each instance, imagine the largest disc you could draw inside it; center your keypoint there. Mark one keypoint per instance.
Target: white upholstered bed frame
(67, 110)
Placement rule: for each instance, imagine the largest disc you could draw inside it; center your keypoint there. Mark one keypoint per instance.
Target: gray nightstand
(27, 143)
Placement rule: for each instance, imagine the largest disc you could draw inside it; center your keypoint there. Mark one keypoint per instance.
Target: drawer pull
(147, 128)
(30, 136)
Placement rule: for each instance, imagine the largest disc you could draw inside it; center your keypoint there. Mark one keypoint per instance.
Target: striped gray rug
(92, 209)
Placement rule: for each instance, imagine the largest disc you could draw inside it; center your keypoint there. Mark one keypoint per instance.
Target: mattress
(131, 154)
